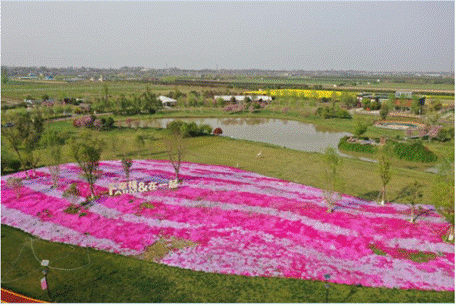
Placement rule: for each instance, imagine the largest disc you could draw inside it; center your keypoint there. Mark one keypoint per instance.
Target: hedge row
(413, 152)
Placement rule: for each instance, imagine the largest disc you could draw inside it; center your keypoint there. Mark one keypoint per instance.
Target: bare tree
(176, 149)
(412, 193)
(54, 167)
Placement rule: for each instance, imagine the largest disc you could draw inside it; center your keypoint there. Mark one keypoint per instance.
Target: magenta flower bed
(242, 223)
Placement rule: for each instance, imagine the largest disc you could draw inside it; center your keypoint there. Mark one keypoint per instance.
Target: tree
(220, 102)
(384, 170)
(442, 193)
(360, 128)
(86, 150)
(151, 103)
(413, 193)
(105, 94)
(23, 131)
(347, 99)
(333, 99)
(384, 111)
(333, 163)
(176, 149)
(126, 165)
(416, 106)
(4, 75)
(53, 140)
(45, 97)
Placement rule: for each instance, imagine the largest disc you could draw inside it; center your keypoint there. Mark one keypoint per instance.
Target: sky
(311, 35)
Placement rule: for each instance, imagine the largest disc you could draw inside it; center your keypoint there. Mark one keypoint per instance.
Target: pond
(285, 133)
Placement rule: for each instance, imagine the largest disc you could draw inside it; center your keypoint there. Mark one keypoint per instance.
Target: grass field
(16, 91)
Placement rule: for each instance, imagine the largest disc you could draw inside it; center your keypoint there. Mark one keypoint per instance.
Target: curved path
(12, 297)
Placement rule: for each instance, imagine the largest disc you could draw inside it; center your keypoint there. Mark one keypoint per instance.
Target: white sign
(132, 187)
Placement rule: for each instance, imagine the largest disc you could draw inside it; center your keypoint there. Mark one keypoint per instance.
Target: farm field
(212, 224)
(16, 91)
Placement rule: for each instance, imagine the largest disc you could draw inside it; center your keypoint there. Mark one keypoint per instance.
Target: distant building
(373, 97)
(407, 94)
(241, 98)
(167, 101)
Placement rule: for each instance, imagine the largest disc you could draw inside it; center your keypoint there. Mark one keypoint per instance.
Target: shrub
(72, 209)
(205, 129)
(366, 148)
(445, 134)
(414, 152)
(188, 129)
(218, 131)
(343, 114)
(109, 123)
(327, 113)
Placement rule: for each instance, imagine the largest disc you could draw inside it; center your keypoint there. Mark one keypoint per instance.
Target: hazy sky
(314, 35)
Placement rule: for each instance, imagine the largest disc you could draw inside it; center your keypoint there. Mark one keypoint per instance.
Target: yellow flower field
(296, 92)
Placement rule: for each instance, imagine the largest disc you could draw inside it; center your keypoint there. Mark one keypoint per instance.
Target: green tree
(86, 150)
(54, 140)
(347, 99)
(416, 107)
(45, 97)
(384, 170)
(23, 131)
(151, 102)
(105, 93)
(412, 194)
(333, 163)
(333, 99)
(384, 111)
(360, 128)
(4, 75)
(442, 193)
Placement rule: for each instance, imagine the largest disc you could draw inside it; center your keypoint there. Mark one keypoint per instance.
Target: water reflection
(243, 121)
(285, 133)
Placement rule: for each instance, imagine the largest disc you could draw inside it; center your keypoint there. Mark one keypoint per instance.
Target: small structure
(241, 98)
(373, 97)
(167, 101)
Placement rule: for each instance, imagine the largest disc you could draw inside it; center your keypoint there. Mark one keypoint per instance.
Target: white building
(167, 101)
(241, 98)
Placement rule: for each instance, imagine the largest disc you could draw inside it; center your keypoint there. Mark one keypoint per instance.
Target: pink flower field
(241, 223)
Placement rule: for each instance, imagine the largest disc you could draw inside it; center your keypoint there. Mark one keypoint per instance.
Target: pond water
(285, 133)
